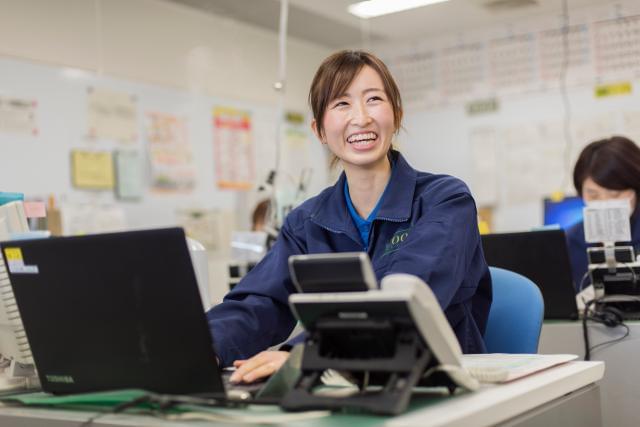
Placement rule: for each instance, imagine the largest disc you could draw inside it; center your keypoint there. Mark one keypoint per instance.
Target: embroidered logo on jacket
(396, 241)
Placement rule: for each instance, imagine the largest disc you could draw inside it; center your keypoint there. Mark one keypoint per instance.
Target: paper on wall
(92, 170)
(18, 115)
(233, 148)
(170, 154)
(111, 115)
(128, 174)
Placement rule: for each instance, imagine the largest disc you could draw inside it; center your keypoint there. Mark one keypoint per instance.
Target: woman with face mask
(606, 170)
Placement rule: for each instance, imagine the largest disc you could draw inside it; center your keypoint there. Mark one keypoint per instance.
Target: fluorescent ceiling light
(373, 8)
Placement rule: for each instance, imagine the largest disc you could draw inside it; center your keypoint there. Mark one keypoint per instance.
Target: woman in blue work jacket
(407, 221)
(606, 169)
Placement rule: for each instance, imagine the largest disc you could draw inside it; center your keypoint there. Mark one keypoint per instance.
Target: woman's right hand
(261, 365)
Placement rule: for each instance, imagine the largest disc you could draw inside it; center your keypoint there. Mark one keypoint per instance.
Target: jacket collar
(635, 225)
(332, 212)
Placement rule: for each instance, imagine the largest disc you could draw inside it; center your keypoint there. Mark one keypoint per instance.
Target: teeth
(362, 137)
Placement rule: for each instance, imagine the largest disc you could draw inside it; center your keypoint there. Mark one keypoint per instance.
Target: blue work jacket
(578, 249)
(426, 226)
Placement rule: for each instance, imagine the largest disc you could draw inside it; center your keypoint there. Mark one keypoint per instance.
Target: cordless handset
(432, 325)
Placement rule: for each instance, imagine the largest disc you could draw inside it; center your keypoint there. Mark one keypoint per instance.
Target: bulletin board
(162, 141)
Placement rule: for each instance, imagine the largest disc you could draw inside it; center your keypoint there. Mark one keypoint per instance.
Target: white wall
(523, 147)
(160, 43)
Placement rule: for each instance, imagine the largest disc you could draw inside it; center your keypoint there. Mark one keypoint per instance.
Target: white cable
(566, 55)
(98, 34)
(279, 86)
(282, 42)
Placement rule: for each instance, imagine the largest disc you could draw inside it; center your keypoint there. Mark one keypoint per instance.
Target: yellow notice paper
(623, 88)
(92, 170)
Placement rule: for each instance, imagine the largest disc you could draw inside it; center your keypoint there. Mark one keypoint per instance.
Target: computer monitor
(564, 213)
(542, 256)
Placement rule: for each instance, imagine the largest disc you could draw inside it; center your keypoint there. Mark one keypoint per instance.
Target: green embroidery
(396, 241)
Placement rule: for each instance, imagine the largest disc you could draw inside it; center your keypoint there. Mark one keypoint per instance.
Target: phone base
(379, 353)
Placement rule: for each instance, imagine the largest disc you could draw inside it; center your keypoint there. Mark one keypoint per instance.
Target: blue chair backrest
(516, 314)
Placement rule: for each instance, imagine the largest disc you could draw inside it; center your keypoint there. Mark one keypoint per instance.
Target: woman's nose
(361, 116)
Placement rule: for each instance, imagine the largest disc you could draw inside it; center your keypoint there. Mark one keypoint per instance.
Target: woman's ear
(314, 128)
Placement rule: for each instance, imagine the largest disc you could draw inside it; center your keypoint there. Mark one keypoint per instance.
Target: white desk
(564, 395)
(621, 384)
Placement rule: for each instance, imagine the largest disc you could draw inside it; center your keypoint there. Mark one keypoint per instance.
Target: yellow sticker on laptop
(15, 262)
(13, 254)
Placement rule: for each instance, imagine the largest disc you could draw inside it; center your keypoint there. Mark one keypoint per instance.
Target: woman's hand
(259, 366)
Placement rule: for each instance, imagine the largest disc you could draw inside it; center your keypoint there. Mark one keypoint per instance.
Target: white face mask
(592, 192)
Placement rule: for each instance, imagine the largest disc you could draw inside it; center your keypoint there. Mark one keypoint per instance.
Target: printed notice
(233, 148)
(18, 116)
(607, 221)
(111, 115)
(170, 155)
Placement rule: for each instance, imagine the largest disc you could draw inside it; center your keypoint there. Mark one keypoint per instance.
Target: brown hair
(612, 163)
(336, 73)
(259, 215)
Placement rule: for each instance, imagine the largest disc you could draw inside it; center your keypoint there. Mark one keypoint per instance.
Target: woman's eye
(340, 104)
(375, 98)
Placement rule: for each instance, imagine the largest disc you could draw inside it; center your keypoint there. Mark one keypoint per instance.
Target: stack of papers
(501, 368)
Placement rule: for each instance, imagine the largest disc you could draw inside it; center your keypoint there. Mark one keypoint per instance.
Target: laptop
(114, 311)
(543, 257)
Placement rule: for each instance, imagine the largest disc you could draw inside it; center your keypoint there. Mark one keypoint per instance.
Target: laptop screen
(113, 311)
(542, 256)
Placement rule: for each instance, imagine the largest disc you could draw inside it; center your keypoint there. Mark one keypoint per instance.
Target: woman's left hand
(261, 365)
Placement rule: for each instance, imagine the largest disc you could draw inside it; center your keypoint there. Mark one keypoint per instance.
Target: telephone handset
(433, 325)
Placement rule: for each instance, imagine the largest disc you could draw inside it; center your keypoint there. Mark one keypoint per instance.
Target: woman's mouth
(362, 140)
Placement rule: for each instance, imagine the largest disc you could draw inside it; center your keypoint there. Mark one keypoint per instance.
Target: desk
(621, 384)
(565, 395)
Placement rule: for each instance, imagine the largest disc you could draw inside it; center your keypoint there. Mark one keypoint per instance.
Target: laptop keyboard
(252, 388)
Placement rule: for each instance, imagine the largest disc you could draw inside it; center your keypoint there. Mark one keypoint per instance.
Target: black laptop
(114, 311)
(542, 256)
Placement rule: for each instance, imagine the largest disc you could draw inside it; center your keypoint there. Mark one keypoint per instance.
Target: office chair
(516, 314)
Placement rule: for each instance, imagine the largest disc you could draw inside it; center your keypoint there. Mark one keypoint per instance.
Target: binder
(15, 352)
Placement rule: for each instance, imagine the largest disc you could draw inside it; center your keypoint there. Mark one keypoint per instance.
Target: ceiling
(327, 22)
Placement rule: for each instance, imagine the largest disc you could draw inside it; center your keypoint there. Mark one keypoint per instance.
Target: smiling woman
(407, 221)
(329, 94)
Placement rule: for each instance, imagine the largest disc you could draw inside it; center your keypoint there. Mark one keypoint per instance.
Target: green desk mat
(104, 401)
